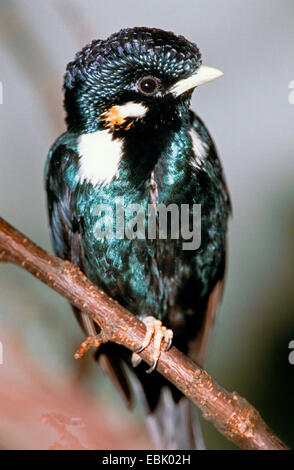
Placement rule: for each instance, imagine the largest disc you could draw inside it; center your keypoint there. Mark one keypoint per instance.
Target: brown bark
(231, 414)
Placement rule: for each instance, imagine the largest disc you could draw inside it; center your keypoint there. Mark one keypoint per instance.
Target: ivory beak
(203, 75)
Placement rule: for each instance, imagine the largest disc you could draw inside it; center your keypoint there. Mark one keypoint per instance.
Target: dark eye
(148, 85)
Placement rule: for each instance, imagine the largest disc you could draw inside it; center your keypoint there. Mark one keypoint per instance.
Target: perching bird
(131, 135)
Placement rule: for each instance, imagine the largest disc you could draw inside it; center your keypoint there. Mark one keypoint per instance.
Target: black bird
(131, 137)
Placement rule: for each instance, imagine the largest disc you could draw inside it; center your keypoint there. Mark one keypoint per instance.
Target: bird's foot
(91, 341)
(162, 340)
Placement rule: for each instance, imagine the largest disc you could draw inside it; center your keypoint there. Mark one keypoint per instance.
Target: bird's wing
(212, 158)
(198, 345)
(61, 182)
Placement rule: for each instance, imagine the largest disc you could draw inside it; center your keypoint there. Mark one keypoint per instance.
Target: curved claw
(168, 340)
(157, 332)
(153, 367)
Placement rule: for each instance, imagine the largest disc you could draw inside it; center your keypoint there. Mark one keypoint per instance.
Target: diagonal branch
(231, 414)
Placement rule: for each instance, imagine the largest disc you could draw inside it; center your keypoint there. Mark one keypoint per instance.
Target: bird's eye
(148, 85)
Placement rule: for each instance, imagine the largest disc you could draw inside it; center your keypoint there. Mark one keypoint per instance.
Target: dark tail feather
(173, 422)
(175, 426)
(172, 425)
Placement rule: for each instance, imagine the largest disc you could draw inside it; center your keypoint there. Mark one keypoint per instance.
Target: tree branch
(231, 414)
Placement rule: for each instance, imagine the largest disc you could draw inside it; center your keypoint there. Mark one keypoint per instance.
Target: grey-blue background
(248, 113)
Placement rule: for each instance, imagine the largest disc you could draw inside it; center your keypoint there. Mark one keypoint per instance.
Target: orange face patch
(113, 118)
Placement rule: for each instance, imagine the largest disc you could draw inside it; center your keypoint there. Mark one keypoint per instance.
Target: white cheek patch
(117, 115)
(132, 110)
(100, 156)
(200, 150)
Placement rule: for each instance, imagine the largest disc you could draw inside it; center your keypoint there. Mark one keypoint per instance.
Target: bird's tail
(175, 426)
(172, 424)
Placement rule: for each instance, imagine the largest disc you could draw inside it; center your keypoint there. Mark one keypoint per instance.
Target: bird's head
(136, 77)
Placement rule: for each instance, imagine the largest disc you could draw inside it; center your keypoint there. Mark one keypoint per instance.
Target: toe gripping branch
(161, 337)
(156, 333)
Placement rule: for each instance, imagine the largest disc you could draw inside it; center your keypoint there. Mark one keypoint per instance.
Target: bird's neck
(160, 155)
(133, 161)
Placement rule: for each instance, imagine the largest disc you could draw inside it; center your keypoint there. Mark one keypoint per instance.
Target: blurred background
(46, 398)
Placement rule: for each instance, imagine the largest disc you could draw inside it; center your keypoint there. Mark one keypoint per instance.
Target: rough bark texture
(231, 414)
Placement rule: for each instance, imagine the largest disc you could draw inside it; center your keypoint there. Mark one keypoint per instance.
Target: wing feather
(66, 239)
